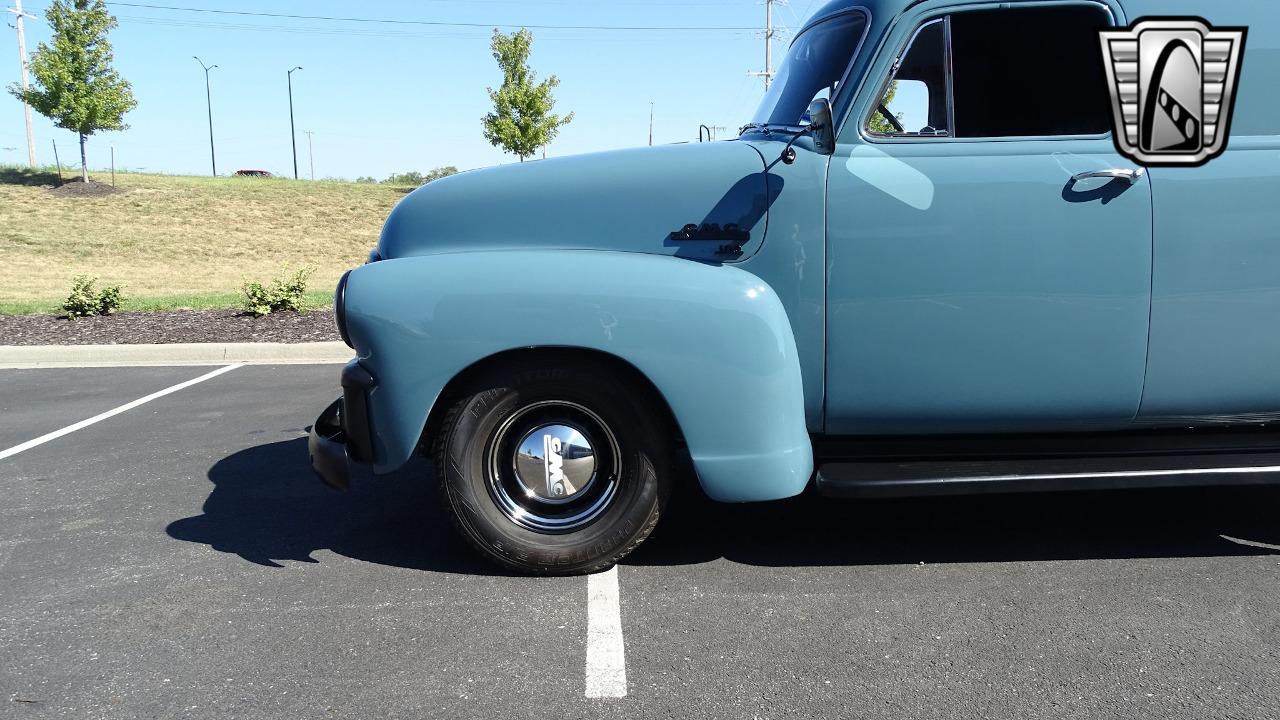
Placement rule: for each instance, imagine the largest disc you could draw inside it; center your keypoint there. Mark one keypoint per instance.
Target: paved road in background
(180, 560)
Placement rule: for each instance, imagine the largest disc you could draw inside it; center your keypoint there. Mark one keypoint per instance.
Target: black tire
(631, 423)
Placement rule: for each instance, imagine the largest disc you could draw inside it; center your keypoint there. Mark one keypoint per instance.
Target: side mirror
(820, 125)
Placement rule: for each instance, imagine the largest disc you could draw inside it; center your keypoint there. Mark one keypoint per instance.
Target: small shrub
(109, 299)
(284, 293)
(83, 301)
(86, 301)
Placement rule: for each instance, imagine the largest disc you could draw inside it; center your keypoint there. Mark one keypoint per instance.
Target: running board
(971, 476)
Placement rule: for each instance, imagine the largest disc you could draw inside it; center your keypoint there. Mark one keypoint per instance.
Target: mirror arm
(819, 126)
(788, 155)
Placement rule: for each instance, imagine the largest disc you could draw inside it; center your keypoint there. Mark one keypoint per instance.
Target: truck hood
(640, 200)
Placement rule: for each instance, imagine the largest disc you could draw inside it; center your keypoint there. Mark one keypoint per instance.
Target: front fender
(714, 340)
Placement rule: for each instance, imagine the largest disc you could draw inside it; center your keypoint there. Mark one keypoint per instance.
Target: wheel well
(456, 387)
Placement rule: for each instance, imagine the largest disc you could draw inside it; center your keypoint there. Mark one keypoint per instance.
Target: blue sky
(388, 98)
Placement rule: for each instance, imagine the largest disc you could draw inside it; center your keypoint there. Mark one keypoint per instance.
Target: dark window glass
(1032, 71)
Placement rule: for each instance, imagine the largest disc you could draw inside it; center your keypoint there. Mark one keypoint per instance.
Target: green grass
(177, 241)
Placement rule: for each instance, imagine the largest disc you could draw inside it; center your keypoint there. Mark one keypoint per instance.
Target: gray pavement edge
(71, 356)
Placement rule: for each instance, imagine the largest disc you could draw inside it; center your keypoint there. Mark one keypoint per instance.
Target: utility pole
(650, 123)
(22, 57)
(208, 98)
(293, 136)
(311, 155)
(767, 73)
(768, 43)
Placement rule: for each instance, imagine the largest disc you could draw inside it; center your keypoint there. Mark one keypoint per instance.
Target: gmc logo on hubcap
(554, 463)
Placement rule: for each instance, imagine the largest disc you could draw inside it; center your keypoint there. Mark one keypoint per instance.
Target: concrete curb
(71, 356)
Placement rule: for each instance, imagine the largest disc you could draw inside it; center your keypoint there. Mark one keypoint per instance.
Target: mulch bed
(178, 326)
(77, 188)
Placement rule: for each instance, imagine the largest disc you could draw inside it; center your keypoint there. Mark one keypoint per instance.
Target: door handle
(1130, 176)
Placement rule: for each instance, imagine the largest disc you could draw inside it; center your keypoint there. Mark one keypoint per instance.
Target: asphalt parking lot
(179, 559)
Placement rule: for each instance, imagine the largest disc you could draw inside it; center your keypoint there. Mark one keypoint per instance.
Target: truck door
(1215, 310)
(989, 252)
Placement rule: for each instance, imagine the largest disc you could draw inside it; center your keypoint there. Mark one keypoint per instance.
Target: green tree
(879, 123)
(440, 172)
(521, 121)
(414, 178)
(75, 85)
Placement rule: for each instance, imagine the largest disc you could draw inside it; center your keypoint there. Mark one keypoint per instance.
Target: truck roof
(1234, 11)
(881, 10)
(878, 8)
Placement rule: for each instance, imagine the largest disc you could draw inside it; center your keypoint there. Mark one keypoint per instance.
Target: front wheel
(555, 468)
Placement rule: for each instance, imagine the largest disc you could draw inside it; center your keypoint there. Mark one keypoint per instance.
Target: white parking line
(606, 655)
(113, 412)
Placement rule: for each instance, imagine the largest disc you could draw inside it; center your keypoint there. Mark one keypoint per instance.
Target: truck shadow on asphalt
(813, 530)
(267, 507)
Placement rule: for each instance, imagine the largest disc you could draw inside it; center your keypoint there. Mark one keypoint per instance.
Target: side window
(914, 102)
(1012, 73)
(908, 102)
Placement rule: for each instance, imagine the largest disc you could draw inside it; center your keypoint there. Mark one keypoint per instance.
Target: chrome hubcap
(553, 466)
(554, 463)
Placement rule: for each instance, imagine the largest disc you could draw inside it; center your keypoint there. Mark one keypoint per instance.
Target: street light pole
(293, 137)
(208, 97)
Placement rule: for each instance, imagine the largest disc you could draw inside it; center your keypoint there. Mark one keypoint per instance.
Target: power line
(432, 23)
(348, 31)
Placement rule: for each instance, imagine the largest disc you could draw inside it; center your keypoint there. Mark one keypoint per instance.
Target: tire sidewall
(642, 486)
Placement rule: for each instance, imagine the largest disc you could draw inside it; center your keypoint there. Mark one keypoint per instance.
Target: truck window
(1013, 73)
(914, 102)
(814, 66)
(1036, 71)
